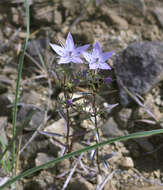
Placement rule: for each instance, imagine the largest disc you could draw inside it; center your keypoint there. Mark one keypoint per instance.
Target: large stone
(111, 129)
(139, 68)
(31, 110)
(42, 158)
(58, 129)
(34, 120)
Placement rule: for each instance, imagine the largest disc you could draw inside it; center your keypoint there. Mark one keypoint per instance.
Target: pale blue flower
(69, 53)
(97, 59)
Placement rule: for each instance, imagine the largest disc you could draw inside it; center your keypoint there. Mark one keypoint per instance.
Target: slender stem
(68, 127)
(67, 110)
(20, 66)
(95, 116)
(97, 131)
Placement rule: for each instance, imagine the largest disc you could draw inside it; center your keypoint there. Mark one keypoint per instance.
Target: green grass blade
(20, 66)
(5, 163)
(123, 138)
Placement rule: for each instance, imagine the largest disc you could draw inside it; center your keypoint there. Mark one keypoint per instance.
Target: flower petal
(81, 49)
(69, 42)
(88, 57)
(97, 51)
(58, 49)
(104, 66)
(107, 55)
(77, 60)
(64, 60)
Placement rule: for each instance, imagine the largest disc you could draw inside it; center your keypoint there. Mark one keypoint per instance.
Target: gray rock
(159, 15)
(139, 68)
(31, 103)
(42, 158)
(58, 128)
(111, 129)
(36, 119)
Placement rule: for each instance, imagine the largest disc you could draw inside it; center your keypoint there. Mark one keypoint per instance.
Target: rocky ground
(117, 25)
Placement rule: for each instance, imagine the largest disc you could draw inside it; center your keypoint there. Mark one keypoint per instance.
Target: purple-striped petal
(64, 60)
(77, 60)
(104, 66)
(81, 49)
(58, 49)
(97, 51)
(107, 55)
(88, 57)
(70, 42)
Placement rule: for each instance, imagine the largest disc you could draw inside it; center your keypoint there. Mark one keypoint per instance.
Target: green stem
(67, 110)
(97, 131)
(94, 89)
(20, 66)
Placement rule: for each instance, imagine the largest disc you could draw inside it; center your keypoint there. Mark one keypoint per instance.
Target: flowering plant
(96, 60)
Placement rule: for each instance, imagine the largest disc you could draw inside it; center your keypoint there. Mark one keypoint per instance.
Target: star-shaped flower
(97, 59)
(69, 53)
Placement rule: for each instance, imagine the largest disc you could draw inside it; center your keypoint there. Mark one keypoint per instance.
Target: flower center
(97, 60)
(70, 54)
